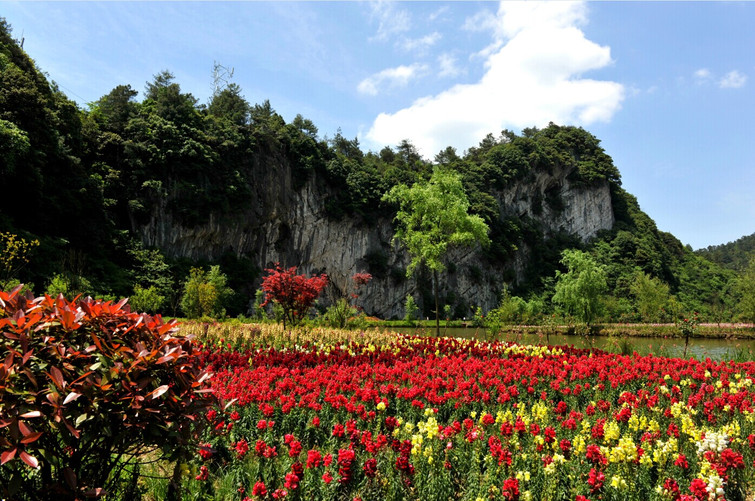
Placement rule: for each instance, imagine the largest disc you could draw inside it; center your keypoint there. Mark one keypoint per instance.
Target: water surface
(700, 348)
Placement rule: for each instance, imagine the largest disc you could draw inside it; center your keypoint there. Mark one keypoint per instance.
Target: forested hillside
(734, 255)
(127, 196)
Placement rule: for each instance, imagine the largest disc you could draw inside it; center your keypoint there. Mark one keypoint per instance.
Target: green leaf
(80, 419)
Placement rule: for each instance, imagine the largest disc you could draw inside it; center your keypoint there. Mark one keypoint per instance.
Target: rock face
(290, 227)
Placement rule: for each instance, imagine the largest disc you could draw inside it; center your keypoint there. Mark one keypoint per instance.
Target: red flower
(203, 473)
(242, 447)
(259, 489)
(370, 467)
(699, 488)
(511, 489)
(596, 480)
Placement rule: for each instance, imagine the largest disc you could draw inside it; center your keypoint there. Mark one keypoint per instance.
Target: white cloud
(532, 78)
(390, 78)
(448, 66)
(420, 45)
(438, 13)
(732, 80)
(702, 74)
(391, 20)
(481, 21)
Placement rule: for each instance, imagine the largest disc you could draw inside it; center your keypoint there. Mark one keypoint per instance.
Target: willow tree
(433, 216)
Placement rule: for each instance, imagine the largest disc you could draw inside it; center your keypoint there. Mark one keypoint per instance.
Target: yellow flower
(381, 406)
(523, 476)
(618, 483)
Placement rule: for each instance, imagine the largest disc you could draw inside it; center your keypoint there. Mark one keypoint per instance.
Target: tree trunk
(437, 309)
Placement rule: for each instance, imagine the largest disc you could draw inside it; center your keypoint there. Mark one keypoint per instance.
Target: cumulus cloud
(533, 77)
(390, 78)
(732, 80)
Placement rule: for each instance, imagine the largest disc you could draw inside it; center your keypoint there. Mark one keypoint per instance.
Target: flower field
(320, 415)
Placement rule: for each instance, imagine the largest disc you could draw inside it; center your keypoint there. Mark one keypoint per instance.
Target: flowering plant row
(439, 418)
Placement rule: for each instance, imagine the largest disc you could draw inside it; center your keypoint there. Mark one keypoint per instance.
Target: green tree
(651, 296)
(205, 293)
(231, 105)
(745, 286)
(433, 217)
(579, 291)
(410, 310)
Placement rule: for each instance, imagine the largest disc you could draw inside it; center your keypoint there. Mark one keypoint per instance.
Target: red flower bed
(437, 418)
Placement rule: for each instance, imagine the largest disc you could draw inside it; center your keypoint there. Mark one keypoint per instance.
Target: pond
(700, 348)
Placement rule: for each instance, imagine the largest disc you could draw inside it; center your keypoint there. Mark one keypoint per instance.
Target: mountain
(133, 193)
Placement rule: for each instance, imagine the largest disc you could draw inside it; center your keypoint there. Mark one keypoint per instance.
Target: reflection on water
(700, 348)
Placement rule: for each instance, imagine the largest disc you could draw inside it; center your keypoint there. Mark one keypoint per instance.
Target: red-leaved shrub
(86, 389)
(296, 294)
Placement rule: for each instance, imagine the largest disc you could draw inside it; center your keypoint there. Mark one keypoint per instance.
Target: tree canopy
(432, 218)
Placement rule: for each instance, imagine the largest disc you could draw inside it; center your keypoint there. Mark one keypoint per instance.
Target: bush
(410, 310)
(86, 388)
(70, 285)
(337, 315)
(205, 293)
(147, 300)
(295, 294)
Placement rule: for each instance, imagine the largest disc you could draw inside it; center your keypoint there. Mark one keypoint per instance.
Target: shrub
(205, 293)
(148, 300)
(86, 388)
(410, 310)
(69, 285)
(338, 314)
(295, 294)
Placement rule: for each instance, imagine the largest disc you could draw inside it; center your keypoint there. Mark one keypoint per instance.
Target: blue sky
(666, 86)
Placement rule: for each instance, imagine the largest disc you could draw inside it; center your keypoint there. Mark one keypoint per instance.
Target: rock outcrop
(291, 227)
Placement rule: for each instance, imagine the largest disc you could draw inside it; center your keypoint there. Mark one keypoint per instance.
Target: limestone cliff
(291, 227)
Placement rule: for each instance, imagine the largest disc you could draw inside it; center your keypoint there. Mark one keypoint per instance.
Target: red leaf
(31, 414)
(30, 460)
(32, 437)
(6, 456)
(25, 430)
(120, 303)
(57, 377)
(27, 356)
(73, 430)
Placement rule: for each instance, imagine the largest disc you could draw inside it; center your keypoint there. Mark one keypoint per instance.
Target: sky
(666, 86)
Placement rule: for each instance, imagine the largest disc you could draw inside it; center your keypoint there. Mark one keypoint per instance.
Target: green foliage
(205, 293)
(745, 287)
(147, 300)
(733, 255)
(15, 253)
(411, 311)
(651, 297)
(86, 390)
(339, 314)
(579, 290)
(69, 285)
(433, 217)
